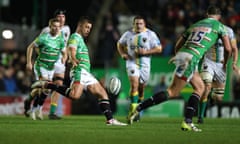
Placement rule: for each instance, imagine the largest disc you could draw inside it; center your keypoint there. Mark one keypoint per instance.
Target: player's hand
(75, 62)
(235, 68)
(125, 56)
(29, 66)
(224, 67)
(140, 52)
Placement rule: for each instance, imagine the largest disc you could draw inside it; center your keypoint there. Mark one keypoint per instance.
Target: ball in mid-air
(114, 85)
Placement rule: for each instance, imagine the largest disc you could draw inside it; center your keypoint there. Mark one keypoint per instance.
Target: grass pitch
(92, 130)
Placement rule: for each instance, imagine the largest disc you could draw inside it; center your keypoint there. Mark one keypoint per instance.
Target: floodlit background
(22, 20)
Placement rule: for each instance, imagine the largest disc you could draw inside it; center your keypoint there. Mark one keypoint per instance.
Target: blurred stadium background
(21, 22)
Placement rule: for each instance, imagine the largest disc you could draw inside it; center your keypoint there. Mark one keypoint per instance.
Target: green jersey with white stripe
(202, 35)
(49, 49)
(76, 41)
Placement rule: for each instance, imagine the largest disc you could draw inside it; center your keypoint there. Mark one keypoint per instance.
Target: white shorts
(215, 70)
(59, 67)
(86, 78)
(186, 64)
(44, 73)
(143, 73)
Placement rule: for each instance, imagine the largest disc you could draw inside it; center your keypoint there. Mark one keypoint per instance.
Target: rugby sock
(140, 99)
(27, 104)
(35, 96)
(53, 108)
(191, 107)
(154, 100)
(35, 102)
(42, 98)
(202, 107)
(134, 101)
(62, 89)
(134, 97)
(105, 108)
(52, 86)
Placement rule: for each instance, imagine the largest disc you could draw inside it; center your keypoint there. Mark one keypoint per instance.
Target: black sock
(154, 100)
(35, 102)
(27, 103)
(52, 86)
(105, 108)
(64, 90)
(42, 98)
(191, 107)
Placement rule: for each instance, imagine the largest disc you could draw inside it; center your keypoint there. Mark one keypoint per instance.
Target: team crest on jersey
(205, 66)
(144, 40)
(180, 69)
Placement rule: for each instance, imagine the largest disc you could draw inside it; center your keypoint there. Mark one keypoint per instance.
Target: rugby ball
(114, 85)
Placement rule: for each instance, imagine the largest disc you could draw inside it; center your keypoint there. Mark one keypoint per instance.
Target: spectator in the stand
(108, 38)
(2, 86)
(24, 78)
(10, 82)
(168, 47)
(24, 81)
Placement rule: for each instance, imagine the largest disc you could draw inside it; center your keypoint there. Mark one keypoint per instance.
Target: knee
(207, 91)
(74, 95)
(199, 88)
(58, 80)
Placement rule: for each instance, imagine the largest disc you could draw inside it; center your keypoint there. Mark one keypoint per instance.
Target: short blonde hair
(53, 20)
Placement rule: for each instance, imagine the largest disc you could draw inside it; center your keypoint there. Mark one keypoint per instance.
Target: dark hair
(59, 12)
(139, 17)
(84, 19)
(213, 10)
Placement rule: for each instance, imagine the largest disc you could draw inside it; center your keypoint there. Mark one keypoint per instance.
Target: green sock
(202, 107)
(134, 97)
(53, 108)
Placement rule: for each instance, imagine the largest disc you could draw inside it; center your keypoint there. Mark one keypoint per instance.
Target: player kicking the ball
(80, 73)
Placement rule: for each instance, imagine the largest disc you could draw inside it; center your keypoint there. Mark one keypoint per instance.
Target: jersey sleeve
(37, 42)
(231, 34)
(123, 39)
(154, 40)
(222, 30)
(72, 42)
